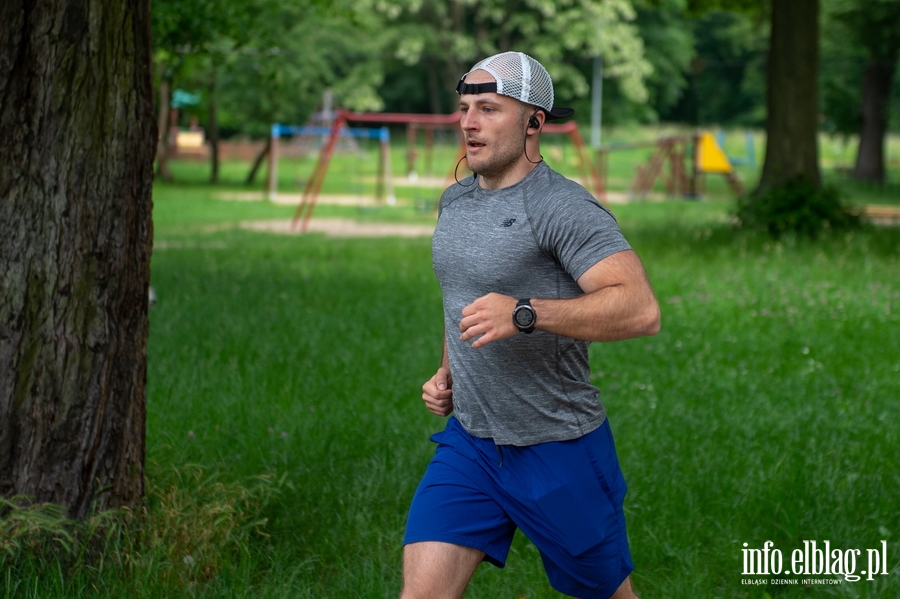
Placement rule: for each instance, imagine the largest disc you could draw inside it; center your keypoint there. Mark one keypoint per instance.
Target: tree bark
(876, 91)
(212, 131)
(251, 176)
(76, 169)
(792, 95)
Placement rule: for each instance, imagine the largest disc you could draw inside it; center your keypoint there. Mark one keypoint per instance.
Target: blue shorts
(566, 497)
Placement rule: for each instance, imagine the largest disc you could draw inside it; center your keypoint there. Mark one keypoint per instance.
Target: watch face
(524, 317)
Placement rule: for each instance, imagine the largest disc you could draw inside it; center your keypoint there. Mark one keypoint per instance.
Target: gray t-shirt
(530, 240)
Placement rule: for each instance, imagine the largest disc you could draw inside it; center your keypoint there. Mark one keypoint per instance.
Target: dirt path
(341, 227)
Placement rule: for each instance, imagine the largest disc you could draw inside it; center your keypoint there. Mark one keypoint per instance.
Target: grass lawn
(286, 435)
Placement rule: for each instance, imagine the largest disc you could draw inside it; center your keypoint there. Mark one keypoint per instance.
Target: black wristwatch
(524, 316)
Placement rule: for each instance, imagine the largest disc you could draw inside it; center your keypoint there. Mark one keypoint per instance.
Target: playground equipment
(185, 142)
(428, 122)
(190, 143)
(749, 157)
(705, 154)
(341, 118)
(382, 134)
(590, 174)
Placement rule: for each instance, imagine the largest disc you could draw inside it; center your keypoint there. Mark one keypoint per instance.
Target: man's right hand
(438, 392)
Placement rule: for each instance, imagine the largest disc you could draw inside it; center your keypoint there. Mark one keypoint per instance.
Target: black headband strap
(476, 88)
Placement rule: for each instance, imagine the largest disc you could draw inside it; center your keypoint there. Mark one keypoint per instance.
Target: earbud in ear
(533, 122)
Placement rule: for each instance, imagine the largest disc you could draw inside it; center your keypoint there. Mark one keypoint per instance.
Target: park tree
(298, 51)
(199, 33)
(669, 47)
(873, 26)
(792, 69)
(255, 62)
(668, 43)
(789, 196)
(726, 73)
(78, 133)
(792, 95)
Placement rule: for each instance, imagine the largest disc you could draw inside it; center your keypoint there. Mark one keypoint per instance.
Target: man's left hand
(489, 316)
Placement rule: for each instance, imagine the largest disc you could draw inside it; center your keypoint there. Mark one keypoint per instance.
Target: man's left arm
(618, 303)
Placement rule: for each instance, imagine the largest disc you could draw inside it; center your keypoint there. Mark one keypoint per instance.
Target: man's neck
(511, 176)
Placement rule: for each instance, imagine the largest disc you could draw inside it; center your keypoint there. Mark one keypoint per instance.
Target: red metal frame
(342, 117)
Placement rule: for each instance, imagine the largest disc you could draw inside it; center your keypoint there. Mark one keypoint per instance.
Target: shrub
(187, 533)
(796, 207)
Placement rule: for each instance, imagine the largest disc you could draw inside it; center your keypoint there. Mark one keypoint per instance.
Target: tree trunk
(212, 131)
(792, 95)
(162, 126)
(251, 176)
(76, 169)
(876, 91)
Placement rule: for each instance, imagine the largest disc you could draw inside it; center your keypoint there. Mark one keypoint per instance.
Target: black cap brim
(559, 113)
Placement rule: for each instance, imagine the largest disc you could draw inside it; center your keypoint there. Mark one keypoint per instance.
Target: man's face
(493, 127)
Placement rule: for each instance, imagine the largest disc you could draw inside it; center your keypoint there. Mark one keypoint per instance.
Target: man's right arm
(437, 392)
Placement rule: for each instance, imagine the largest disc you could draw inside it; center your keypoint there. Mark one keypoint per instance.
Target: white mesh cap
(518, 76)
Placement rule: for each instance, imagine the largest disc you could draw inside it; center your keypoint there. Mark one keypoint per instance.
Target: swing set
(382, 134)
(428, 122)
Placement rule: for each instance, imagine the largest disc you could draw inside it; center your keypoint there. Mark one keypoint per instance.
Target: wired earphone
(533, 123)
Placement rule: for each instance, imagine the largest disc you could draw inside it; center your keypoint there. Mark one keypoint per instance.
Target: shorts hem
(588, 593)
(456, 540)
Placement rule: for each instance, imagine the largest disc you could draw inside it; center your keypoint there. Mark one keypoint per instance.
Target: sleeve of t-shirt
(576, 231)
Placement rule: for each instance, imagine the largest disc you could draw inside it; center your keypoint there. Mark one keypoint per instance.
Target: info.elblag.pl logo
(816, 559)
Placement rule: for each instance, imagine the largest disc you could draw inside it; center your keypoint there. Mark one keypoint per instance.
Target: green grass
(285, 434)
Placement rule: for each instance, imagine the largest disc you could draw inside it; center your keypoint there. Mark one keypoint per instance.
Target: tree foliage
(726, 71)
(701, 62)
(452, 35)
(669, 43)
(271, 58)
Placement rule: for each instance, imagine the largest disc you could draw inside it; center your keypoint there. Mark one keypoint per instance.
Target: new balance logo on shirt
(508, 222)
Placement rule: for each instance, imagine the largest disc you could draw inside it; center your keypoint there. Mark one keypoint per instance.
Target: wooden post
(600, 168)
(696, 183)
(379, 180)
(590, 173)
(411, 134)
(429, 149)
(385, 137)
(272, 179)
